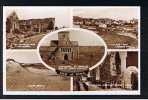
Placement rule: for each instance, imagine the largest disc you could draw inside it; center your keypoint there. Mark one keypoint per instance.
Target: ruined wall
(30, 25)
(37, 25)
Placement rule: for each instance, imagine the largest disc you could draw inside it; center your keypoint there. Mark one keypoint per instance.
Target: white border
(71, 83)
(5, 92)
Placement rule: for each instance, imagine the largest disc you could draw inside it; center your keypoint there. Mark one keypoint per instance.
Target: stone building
(30, 26)
(119, 70)
(18, 30)
(37, 25)
(104, 26)
(64, 48)
(62, 51)
(67, 52)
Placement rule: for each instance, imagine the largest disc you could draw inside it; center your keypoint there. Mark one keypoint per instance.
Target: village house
(106, 26)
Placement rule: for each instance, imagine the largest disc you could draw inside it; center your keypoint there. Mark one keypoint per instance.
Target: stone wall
(28, 26)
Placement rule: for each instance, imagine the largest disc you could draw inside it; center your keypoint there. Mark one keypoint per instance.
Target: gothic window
(69, 49)
(65, 49)
(63, 35)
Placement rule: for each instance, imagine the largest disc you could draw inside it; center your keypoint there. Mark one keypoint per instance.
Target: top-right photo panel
(118, 26)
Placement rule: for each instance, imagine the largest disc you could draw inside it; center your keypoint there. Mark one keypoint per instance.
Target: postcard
(71, 50)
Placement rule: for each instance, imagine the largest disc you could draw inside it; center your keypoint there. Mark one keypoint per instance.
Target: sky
(23, 56)
(61, 14)
(31, 56)
(123, 13)
(83, 38)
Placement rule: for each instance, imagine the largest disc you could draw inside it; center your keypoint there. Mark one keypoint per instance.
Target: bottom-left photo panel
(25, 72)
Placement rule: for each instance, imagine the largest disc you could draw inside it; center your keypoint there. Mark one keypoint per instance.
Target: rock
(13, 67)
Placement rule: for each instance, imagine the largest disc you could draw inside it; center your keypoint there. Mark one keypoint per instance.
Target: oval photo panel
(72, 51)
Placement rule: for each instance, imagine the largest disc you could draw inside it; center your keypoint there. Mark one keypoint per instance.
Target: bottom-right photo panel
(119, 71)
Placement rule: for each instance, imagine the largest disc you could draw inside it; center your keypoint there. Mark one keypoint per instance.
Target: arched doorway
(131, 78)
(65, 57)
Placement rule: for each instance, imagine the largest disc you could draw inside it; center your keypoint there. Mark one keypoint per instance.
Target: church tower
(63, 38)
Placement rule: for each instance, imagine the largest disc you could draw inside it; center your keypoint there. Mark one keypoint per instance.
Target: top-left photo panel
(24, 26)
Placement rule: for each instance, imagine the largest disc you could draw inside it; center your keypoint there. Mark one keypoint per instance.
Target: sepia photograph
(118, 72)
(25, 26)
(118, 26)
(25, 72)
(67, 51)
(71, 50)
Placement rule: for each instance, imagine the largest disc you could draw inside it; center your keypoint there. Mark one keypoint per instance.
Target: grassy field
(36, 80)
(113, 41)
(34, 39)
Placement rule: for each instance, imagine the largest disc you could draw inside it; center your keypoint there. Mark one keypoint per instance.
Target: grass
(28, 81)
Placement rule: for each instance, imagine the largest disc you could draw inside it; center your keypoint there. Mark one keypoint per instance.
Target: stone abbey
(68, 52)
(13, 24)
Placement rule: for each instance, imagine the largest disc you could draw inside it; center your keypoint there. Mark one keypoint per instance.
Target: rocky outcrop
(13, 67)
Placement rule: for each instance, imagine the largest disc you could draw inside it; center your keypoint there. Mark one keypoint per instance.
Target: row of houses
(106, 25)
